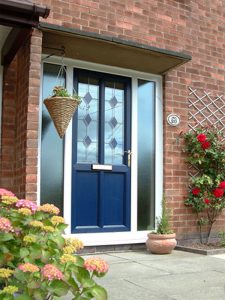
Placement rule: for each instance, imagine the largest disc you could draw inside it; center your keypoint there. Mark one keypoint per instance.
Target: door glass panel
(114, 122)
(88, 115)
(146, 155)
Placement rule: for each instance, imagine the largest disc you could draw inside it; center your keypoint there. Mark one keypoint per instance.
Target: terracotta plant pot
(161, 243)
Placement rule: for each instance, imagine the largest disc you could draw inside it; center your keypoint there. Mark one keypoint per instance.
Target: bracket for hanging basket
(61, 110)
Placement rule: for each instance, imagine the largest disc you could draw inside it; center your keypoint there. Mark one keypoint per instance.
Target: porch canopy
(21, 13)
(21, 16)
(108, 50)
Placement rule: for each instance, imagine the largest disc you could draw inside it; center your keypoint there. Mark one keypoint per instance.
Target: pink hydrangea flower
(28, 204)
(5, 225)
(96, 264)
(51, 272)
(4, 192)
(28, 267)
(49, 208)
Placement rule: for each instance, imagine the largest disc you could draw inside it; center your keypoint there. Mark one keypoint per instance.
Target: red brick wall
(194, 27)
(8, 127)
(33, 115)
(20, 119)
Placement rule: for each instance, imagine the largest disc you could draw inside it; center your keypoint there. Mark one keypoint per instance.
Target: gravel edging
(200, 251)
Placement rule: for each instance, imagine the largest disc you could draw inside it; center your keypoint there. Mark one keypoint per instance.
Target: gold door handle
(129, 153)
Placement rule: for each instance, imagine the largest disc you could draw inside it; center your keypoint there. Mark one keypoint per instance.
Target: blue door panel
(114, 199)
(85, 210)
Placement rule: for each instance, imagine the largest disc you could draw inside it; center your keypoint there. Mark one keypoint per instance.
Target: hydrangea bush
(36, 261)
(205, 151)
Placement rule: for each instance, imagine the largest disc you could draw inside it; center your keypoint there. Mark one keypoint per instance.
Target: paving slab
(139, 275)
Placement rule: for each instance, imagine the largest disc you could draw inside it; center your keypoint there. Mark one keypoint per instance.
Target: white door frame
(113, 238)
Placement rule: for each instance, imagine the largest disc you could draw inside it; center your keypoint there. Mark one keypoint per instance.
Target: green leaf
(35, 251)
(73, 284)
(39, 215)
(6, 297)
(60, 241)
(6, 237)
(4, 249)
(79, 261)
(82, 275)
(87, 283)
(79, 297)
(18, 274)
(24, 252)
(38, 295)
(59, 287)
(87, 293)
(33, 284)
(99, 293)
(99, 275)
(23, 297)
(45, 256)
(62, 227)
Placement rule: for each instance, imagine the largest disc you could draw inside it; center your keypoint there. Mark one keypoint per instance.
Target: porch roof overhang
(21, 16)
(21, 13)
(109, 50)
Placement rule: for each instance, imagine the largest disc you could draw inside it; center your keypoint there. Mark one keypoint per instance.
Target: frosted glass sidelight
(51, 145)
(146, 155)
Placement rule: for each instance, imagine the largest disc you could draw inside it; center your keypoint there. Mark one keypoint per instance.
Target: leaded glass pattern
(88, 120)
(114, 123)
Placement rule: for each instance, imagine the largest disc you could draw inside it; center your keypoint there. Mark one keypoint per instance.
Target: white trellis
(205, 110)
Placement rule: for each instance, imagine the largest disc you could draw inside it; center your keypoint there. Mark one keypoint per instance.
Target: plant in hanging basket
(61, 107)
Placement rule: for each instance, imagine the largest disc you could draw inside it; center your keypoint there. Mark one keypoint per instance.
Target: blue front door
(101, 160)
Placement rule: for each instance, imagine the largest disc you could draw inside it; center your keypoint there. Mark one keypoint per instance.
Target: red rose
(207, 201)
(218, 192)
(206, 145)
(196, 191)
(201, 137)
(222, 185)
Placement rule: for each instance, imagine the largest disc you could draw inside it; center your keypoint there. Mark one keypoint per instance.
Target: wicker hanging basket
(61, 110)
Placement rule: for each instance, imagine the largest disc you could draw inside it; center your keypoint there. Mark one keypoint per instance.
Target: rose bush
(36, 261)
(205, 151)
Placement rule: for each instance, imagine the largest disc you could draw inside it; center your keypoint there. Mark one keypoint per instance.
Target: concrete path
(179, 276)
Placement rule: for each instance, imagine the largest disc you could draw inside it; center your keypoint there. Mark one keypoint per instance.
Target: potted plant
(163, 241)
(61, 107)
(36, 261)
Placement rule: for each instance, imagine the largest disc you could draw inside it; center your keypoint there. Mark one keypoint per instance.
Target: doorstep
(112, 248)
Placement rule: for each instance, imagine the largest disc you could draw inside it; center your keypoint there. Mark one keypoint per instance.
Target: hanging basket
(61, 110)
